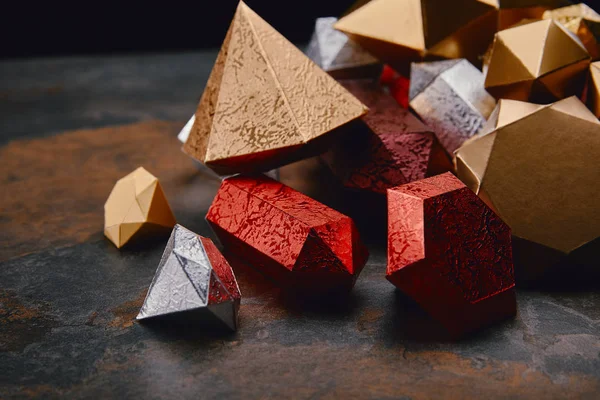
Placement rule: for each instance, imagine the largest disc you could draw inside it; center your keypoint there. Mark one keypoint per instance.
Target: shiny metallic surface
(182, 282)
(450, 98)
(393, 147)
(341, 57)
(539, 62)
(265, 103)
(433, 226)
(581, 20)
(299, 242)
(537, 170)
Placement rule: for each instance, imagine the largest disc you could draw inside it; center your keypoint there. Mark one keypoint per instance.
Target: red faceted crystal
(451, 253)
(392, 147)
(299, 242)
(397, 84)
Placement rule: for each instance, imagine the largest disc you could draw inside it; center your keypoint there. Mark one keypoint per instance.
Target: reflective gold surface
(538, 61)
(583, 21)
(264, 101)
(401, 31)
(539, 171)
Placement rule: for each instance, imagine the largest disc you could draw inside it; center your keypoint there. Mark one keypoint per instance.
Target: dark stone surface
(68, 297)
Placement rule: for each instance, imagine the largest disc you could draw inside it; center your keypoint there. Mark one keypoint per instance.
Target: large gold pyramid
(136, 206)
(539, 61)
(402, 31)
(265, 103)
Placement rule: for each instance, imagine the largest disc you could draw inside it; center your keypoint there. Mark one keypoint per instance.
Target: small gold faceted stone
(583, 22)
(593, 91)
(399, 32)
(538, 169)
(265, 103)
(136, 207)
(540, 61)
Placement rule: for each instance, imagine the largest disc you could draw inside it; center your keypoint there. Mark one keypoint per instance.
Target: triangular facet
(526, 42)
(225, 312)
(113, 233)
(143, 179)
(317, 102)
(126, 231)
(422, 74)
(144, 198)
(505, 67)
(392, 21)
(134, 214)
(119, 201)
(160, 213)
(566, 81)
(171, 291)
(560, 49)
(263, 118)
(317, 256)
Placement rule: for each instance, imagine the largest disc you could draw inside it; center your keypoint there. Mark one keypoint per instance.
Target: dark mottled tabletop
(68, 298)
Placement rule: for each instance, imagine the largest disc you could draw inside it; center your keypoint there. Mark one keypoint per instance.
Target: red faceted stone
(391, 148)
(299, 242)
(397, 84)
(451, 253)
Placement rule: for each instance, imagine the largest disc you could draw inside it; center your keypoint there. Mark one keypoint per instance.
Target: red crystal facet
(299, 242)
(397, 84)
(395, 147)
(449, 252)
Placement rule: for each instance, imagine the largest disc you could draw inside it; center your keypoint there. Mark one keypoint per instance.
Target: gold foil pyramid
(583, 22)
(539, 171)
(593, 91)
(265, 103)
(136, 206)
(540, 61)
(402, 31)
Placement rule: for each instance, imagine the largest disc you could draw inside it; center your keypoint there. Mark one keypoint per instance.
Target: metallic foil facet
(193, 280)
(540, 61)
(593, 89)
(583, 22)
(136, 207)
(396, 148)
(450, 98)
(265, 104)
(451, 253)
(339, 56)
(399, 32)
(539, 171)
(300, 243)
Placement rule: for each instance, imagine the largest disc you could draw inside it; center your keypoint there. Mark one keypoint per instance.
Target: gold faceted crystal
(583, 22)
(265, 104)
(399, 32)
(593, 89)
(136, 206)
(540, 61)
(539, 171)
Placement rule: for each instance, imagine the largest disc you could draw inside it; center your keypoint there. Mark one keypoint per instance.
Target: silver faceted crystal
(193, 280)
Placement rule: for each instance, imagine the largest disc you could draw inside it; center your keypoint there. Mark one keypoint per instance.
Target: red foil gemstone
(451, 253)
(397, 84)
(392, 148)
(300, 243)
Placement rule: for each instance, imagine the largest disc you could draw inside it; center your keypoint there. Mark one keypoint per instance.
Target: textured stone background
(68, 298)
